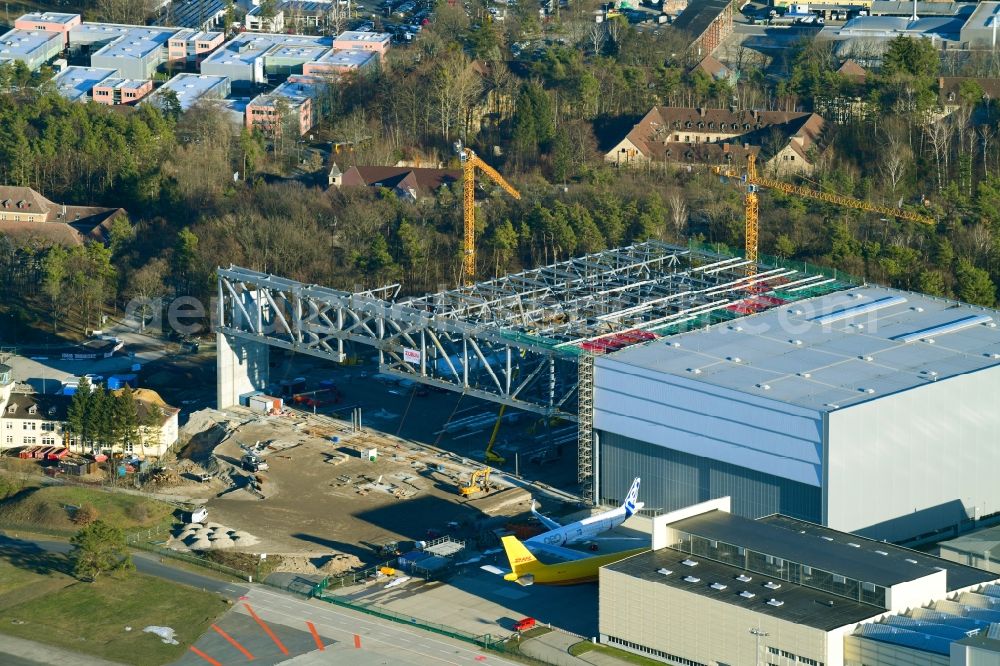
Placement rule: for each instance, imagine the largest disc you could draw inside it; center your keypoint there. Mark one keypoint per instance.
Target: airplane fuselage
(582, 530)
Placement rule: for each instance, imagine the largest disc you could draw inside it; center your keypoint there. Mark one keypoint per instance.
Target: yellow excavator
(479, 483)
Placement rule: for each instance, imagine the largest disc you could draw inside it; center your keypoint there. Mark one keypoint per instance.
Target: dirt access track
(321, 496)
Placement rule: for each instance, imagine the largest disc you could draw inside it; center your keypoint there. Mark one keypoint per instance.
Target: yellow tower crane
(754, 181)
(471, 162)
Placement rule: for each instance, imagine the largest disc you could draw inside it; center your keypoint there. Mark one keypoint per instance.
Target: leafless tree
(131, 12)
(597, 36)
(678, 212)
(895, 157)
(456, 85)
(986, 134)
(938, 133)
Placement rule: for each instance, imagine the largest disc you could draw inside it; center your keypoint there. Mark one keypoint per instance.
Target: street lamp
(757, 634)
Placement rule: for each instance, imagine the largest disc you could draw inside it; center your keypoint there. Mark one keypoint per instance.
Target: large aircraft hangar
(868, 409)
(790, 389)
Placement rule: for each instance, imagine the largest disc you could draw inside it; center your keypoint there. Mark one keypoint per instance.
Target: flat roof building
(297, 97)
(192, 46)
(243, 58)
(192, 88)
(723, 589)
(76, 83)
(32, 47)
(353, 40)
(339, 61)
(49, 22)
(980, 548)
(136, 53)
(116, 90)
(869, 410)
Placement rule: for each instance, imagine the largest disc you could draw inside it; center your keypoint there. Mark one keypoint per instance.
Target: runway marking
(319, 641)
(267, 629)
(204, 656)
(233, 642)
(359, 620)
(357, 641)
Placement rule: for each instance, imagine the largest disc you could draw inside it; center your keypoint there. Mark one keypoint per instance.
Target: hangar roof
(830, 550)
(793, 603)
(832, 351)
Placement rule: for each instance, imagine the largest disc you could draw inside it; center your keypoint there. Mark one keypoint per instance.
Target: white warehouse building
(869, 410)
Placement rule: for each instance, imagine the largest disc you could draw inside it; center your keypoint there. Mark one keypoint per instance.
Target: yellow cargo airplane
(579, 568)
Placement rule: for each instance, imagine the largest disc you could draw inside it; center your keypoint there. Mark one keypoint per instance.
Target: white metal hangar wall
(869, 410)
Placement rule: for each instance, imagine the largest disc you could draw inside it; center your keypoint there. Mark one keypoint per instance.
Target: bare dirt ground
(319, 497)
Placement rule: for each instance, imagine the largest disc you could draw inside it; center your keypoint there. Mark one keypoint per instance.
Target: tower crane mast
(470, 163)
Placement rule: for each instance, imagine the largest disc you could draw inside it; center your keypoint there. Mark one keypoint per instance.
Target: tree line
(101, 419)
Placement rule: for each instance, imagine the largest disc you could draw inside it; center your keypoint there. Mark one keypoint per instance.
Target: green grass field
(46, 508)
(625, 657)
(24, 578)
(91, 617)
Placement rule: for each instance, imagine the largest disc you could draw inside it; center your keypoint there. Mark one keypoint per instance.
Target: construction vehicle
(471, 162)
(479, 483)
(492, 457)
(754, 181)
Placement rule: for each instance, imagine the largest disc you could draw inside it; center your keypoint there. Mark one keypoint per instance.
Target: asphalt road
(144, 563)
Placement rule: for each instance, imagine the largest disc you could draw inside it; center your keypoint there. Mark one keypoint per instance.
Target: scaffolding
(518, 339)
(585, 426)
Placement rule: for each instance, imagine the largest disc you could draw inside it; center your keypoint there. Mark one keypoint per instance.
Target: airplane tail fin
(632, 503)
(522, 562)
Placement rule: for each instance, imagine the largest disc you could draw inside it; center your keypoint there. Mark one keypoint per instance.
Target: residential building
(339, 61)
(190, 47)
(717, 588)
(950, 93)
(39, 419)
(712, 68)
(352, 40)
(191, 89)
(116, 90)
(785, 141)
(24, 214)
(408, 183)
(243, 60)
(32, 47)
(49, 22)
(76, 83)
(293, 104)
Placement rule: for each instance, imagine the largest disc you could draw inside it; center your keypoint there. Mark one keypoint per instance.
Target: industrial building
(289, 106)
(246, 59)
(867, 410)
(980, 31)
(49, 22)
(116, 90)
(979, 548)
(191, 89)
(339, 61)
(76, 83)
(137, 53)
(718, 588)
(791, 390)
(32, 47)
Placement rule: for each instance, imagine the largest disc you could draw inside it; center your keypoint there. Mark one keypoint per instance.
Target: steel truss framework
(514, 340)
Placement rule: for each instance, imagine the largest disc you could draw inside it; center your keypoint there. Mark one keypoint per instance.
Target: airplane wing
(548, 522)
(565, 554)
